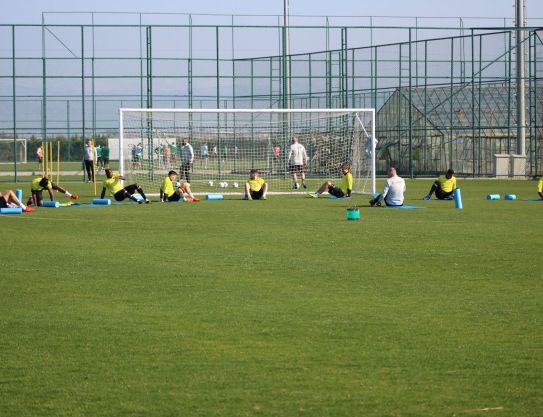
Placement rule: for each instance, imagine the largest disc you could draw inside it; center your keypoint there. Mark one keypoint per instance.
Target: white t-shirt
(393, 191)
(297, 154)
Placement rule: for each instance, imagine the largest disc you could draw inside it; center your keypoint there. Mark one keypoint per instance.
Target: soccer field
(275, 308)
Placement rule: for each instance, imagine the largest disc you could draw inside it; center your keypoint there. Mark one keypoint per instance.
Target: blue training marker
(102, 201)
(458, 199)
(510, 196)
(9, 210)
(53, 204)
(493, 197)
(214, 197)
(19, 194)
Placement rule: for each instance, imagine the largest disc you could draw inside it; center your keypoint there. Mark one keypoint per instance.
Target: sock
(317, 193)
(190, 195)
(22, 206)
(68, 194)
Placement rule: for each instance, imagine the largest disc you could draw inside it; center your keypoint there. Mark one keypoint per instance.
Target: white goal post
(227, 143)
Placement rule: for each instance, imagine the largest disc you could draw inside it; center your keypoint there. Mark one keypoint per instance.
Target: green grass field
(275, 308)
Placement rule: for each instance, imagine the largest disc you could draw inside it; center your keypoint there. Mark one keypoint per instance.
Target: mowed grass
(275, 308)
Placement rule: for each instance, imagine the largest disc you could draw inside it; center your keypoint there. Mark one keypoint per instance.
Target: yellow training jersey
(35, 185)
(540, 185)
(446, 184)
(167, 187)
(256, 184)
(347, 182)
(113, 185)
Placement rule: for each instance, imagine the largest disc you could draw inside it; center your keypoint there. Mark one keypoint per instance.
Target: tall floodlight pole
(521, 104)
(286, 54)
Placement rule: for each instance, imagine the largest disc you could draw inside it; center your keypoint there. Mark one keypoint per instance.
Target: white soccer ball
(177, 184)
(221, 184)
(235, 185)
(210, 183)
(225, 184)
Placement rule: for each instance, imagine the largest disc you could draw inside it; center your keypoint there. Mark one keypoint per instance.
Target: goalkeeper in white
(297, 160)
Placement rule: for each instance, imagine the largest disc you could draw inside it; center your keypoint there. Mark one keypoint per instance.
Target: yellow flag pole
(93, 168)
(58, 162)
(42, 160)
(51, 160)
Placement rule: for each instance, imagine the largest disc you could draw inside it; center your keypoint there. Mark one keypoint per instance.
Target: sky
(30, 11)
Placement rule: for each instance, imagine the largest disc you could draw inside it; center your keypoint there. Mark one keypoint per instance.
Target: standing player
(204, 154)
(444, 187)
(89, 157)
(171, 190)
(8, 199)
(38, 185)
(256, 188)
(297, 160)
(339, 192)
(393, 191)
(113, 184)
(187, 158)
(105, 156)
(39, 155)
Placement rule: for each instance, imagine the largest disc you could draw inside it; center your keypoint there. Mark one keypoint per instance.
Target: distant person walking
(187, 159)
(89, 157)
(39, 155)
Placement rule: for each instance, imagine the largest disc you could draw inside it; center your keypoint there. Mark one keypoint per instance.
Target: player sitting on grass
(540, 188)
(171, 190)
(38, 185)
(339, 192)
(256, 188)
(8, 199)
(393, 190)
(113, 184)
(444, 187)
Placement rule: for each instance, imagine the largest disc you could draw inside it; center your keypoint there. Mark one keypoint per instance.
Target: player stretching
(38, 185)
(113, 184)
(297, 160)
(8, 199)
(171, 190)
(256, 188)
(393, 191)
(540, 188)
(339, 192)
(444, 187)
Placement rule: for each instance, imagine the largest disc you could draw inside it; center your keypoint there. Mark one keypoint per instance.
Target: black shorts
(3, 203)
(442, 195)
(120, 195)
(38, 195)
(106, 161)
(336, 191)
(174, 197)
(298, 169)
(257, 195)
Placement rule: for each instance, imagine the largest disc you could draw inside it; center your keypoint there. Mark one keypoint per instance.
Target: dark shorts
(120, 195)
(174, 197)
(257, 195)
(336, 191)
(3, 203)
(105, 160)
(442, 195)
(38, 195)
(298, 169)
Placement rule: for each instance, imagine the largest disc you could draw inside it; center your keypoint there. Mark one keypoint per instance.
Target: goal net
(13, 150)
(227, 144)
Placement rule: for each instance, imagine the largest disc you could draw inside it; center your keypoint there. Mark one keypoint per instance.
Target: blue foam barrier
(493, 197)
(9, 210)
(352, 214)
(51, 204)
(214, 197)
(404, 207)
(532, 199)
(102, 201)
(457, 194)
(19, 194)
(510, 197)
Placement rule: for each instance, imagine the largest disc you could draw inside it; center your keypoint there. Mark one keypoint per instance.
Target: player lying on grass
(38, 185)
(393, 191)
(113, 184)
(171, 190)
(444, 187)
(8, 199)
(540, 188)
(256, 188)
(339, 192)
